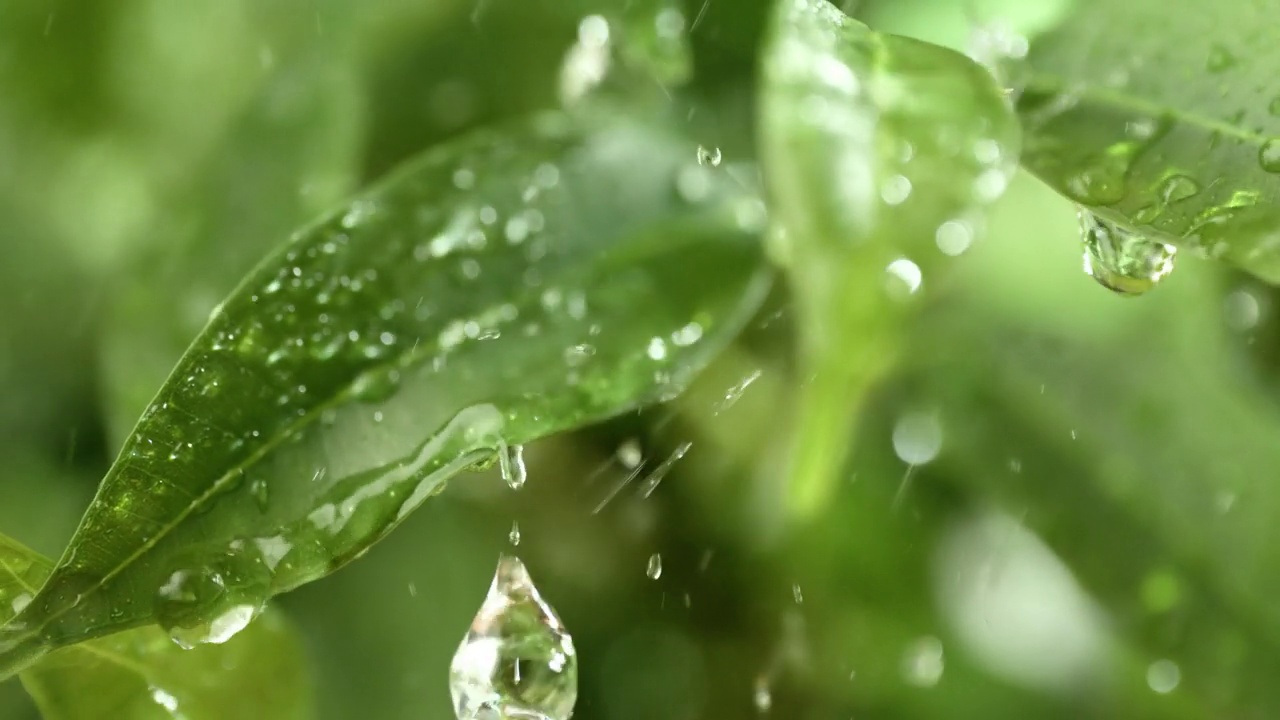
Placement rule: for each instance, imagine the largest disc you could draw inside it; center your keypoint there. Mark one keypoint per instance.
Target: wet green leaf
(141, 674)
(880, 151)
(1166, 121)
(509, 285)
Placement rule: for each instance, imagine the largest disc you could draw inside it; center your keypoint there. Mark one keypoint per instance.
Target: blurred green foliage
(1095, 537)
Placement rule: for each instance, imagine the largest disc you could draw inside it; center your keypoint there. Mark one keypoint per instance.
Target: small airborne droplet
(710, 156)
(654, 568)
(514, 535)
(1121, 260)
(517, 660)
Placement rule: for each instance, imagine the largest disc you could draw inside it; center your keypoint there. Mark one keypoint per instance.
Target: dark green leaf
(1165, 120)
(509, 285)
(142, 674)
(879, 149)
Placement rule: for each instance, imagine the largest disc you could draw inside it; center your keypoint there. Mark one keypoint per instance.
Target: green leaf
(880, 151)
(142, 674)
(509, 285)
(1165, 121)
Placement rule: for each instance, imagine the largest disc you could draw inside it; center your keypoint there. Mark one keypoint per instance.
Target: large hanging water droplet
(511, 462)
(1121, 260)
(516, 661)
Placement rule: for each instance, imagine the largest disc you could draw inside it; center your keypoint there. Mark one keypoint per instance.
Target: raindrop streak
(511, 463)
(1121, 260)
(710, 156)
(762, 698)
(654, 569)
(516, 661)
(659, 473)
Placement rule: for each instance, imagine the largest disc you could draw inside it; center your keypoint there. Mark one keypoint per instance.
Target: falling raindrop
(797, 594)
(514, 535)
(1163, 676)
(1123, 261)
(903, 278)
(917, 438)
(922, 665)
(630, 454)
(511, 464)
(654, 568)
(762, 698)
(517, 660)
(711, 156)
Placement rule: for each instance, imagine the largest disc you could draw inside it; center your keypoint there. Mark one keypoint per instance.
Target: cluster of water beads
(1121, 260)
(516, 661)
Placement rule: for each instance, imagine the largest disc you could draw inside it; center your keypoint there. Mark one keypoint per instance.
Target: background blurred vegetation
(1095, 536)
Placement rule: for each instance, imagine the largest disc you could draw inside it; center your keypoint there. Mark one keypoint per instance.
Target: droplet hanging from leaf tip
(511, 463)
(1123, 261)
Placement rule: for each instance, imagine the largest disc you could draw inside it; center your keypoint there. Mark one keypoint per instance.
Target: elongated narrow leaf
(1165, 119)
(509, 285)
(880, 150)
(142, 674)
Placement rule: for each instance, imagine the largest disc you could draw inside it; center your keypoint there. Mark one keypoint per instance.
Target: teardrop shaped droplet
(1121, 260)
(517, 660)
(514, 535)
(709, 156)
(511, 463)
(654, 569)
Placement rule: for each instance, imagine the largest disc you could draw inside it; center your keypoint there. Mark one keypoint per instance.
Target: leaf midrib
(108, 655)
(1050, 83)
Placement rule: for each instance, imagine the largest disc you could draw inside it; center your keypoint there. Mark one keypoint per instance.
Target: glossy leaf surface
(509, 285)
(1165, 120)
(141, 674)
(880, 151)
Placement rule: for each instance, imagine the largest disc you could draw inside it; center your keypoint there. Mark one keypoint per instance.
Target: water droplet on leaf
(212, 602)
(1220, 59)
(261, 494)
(1269, 155)
(1178, 187)
(517, 660)
(1121, 260)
